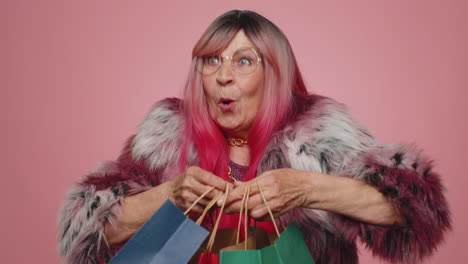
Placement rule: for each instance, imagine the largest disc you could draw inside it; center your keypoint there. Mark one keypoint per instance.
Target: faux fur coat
(322, 138)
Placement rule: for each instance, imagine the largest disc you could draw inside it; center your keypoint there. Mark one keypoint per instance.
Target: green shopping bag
(289, 247)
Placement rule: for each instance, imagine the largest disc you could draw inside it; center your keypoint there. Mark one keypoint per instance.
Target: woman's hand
(191, 184)
(284, 190)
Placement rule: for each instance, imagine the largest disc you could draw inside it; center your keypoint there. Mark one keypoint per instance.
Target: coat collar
(317, 137)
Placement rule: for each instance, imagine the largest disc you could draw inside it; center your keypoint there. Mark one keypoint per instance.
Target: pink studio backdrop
(77, 77)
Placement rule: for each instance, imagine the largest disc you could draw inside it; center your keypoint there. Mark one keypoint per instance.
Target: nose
(225, 74)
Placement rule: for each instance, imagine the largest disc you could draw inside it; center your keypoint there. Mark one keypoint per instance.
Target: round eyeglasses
(244, 61)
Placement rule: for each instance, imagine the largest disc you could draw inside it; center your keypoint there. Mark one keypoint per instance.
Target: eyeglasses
(244, 61)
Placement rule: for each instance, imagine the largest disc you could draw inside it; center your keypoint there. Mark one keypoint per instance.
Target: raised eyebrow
(243, 47)
(210, 55)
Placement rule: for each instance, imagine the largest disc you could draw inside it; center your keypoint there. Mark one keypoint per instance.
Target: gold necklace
(238, 142)
(235, 142)
(230, 174)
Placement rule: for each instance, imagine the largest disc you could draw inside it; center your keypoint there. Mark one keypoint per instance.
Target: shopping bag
(226, 239)
(223, 239)
(168, 237)
(289, 247)
(257, 238)
(208, 257)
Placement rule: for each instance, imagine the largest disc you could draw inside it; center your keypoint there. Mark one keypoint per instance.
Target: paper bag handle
(207, 208)
(268, 208)
(215, 228)
(244, 203)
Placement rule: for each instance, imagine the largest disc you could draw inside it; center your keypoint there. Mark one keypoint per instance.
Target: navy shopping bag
(168, 237)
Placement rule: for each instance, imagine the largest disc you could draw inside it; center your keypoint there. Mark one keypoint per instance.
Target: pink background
(77, 77)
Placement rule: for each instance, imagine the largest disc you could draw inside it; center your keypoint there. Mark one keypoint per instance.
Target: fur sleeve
(95, 202)
(404, 175)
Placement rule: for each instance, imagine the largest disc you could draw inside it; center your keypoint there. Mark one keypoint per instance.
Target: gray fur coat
(322, 137)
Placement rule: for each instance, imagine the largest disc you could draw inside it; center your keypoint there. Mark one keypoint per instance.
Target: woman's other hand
(191, 184)
(284, 190)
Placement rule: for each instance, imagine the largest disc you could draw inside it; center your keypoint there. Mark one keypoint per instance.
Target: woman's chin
(234, 130)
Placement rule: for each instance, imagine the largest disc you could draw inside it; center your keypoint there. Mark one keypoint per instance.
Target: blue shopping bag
(168, 237)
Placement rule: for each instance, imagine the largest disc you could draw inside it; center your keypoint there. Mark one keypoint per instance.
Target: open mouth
(226, 103)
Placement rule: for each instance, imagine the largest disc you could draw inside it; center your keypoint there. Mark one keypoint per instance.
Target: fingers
(238, 183)
(268, 193)
(260, 212)
(195, 188)
(254, 201)
(256, 208)
(234, 195)
(196, 209)
(238, 191)
(256, 204)
(200, 189)
(201, 181)
(187, 196)
(207, 178)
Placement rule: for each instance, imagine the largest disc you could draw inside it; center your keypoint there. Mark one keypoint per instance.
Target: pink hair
(282, 81)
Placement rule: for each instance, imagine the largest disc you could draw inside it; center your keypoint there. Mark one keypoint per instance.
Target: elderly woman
(247, 116)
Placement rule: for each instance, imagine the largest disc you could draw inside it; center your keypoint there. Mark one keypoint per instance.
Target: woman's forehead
(240, 40)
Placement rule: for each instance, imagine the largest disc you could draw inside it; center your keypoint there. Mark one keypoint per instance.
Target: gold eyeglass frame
(199, 60)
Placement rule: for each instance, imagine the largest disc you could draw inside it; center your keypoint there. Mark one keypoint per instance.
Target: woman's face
(234, 99)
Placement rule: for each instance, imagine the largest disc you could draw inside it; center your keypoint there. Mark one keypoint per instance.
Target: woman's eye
(244, 61)
(213, 60)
